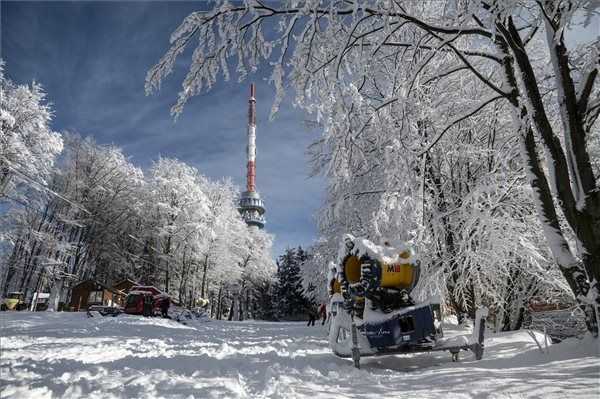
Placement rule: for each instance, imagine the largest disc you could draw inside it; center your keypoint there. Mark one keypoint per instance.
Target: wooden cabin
(125, 285)
(91, 292)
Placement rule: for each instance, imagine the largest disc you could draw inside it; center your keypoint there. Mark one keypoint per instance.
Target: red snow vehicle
(141, 295)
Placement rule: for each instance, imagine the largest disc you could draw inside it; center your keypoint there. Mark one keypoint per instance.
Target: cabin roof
(126, 280)
(104, 286)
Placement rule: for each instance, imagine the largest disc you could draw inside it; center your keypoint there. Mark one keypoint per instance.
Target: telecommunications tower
(251, 206)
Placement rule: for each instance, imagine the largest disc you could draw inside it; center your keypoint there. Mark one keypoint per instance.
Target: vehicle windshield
(15, 295)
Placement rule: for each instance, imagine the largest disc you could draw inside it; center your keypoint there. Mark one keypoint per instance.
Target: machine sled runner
(373, 313)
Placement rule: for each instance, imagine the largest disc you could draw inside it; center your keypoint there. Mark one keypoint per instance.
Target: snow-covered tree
(173, 228)
(28, 146)
(396, 82)
(178, 206)
(73, 232)
(256, 266)
(314, 274)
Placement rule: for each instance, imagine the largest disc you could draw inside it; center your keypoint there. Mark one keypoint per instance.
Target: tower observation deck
(251, 205)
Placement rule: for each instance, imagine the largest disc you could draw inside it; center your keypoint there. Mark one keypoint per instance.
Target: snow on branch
(458, 120)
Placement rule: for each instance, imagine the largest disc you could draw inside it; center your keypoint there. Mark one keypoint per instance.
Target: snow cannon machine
(373, 312)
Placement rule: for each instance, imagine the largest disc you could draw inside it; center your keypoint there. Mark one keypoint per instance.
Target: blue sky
(92, 59)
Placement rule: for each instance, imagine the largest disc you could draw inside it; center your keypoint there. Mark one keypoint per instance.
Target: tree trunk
(241, 308)
(231, 309)
(204, 270)
(182, 280)
(219, 304)
(247, 309)
(55, 295)
(581, 220)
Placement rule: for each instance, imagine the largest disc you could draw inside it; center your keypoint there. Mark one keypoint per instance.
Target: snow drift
(51, 355)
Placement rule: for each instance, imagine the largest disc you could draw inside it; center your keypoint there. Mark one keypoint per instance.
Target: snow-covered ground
(68, 355)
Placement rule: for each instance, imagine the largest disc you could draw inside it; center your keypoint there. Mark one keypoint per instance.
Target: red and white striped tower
(251, 205)
(251, 148)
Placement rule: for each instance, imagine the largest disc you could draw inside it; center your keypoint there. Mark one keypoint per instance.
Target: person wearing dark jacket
(323, 313)
(312, 316)
(148, 305)
(164, 307)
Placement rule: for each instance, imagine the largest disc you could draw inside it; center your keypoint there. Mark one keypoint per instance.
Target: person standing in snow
(323, 313)
(164, 307)
(311, 316)
(148, 305)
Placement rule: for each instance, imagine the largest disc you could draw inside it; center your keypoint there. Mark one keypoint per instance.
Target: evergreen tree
(288, 298)
(263, 304)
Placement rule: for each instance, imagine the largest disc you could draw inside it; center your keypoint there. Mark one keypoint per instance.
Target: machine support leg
(479, 333)
(455, 354)
(355, 348)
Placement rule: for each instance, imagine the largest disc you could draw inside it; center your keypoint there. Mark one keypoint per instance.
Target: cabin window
(132, 299)
(95, 297)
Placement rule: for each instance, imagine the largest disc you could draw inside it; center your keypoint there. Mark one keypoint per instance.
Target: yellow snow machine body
(373, 312)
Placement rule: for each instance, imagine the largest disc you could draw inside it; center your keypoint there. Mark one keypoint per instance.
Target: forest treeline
(73, 209)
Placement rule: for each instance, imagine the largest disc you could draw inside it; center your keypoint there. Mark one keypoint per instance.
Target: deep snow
(48, 354)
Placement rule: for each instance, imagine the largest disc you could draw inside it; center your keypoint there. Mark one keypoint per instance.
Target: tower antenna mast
(251, 205)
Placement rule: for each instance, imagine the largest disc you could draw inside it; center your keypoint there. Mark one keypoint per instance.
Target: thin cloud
(92, 59)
